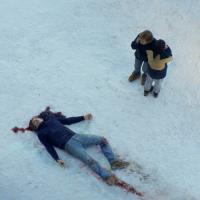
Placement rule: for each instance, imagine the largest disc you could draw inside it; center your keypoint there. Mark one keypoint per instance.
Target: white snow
(75, 56)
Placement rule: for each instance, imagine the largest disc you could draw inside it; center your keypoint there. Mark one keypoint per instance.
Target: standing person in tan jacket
(157, 67)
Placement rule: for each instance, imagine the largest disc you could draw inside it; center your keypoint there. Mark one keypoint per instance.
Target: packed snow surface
(75, 56)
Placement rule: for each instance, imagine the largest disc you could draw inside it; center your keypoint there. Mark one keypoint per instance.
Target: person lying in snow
(157, 67)
(142, 42)
(51, 132)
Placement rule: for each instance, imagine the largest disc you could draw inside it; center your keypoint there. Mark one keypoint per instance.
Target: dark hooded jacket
(140, 52)
(52, 132)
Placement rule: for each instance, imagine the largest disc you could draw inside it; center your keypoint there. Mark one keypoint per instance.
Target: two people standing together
(151, 57)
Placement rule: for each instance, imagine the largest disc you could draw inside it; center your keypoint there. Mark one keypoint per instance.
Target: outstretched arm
(49, 147)
(72, 120)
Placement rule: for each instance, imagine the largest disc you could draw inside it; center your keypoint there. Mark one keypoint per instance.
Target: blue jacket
(140, 52)
(52, 132)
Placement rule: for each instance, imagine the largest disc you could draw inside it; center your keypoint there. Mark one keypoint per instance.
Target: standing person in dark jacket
(157, 67)
(142, 42)
(52, 133)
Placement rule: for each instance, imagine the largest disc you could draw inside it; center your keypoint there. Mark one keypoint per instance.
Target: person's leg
(88, 140)
(157, 86)
(145, 67)
(76, 149)
(144, 74)
(148, 85)
(138, 65)
(136, 73)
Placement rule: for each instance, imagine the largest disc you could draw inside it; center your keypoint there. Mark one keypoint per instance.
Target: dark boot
(144, 77)
(155, 94)
(146, 93)
(134, 76)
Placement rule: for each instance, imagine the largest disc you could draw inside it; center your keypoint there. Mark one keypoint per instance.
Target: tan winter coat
(157, 63)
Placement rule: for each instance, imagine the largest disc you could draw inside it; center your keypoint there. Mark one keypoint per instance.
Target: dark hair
(160, 45)
(42, 115)
(31, 126)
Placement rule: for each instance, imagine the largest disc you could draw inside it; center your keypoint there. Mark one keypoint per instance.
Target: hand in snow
(61, 163)
(88, 116)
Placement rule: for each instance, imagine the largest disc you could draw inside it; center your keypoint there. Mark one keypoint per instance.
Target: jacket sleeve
(134, 44)
(48, 147)
(70, 120)
(45, 115)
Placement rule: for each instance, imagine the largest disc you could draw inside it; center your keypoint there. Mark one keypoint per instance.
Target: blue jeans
(140, 64)
(77, 145)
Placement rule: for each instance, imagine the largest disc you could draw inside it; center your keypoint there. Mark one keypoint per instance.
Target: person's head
(160, 45)
(34, 123)
(146, 37)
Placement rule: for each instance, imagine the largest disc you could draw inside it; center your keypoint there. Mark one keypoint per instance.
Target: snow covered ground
(75, 56)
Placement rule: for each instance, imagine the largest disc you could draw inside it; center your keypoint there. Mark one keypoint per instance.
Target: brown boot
(134, 76)
(144, 77)
(112, 180)
(119, 164)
